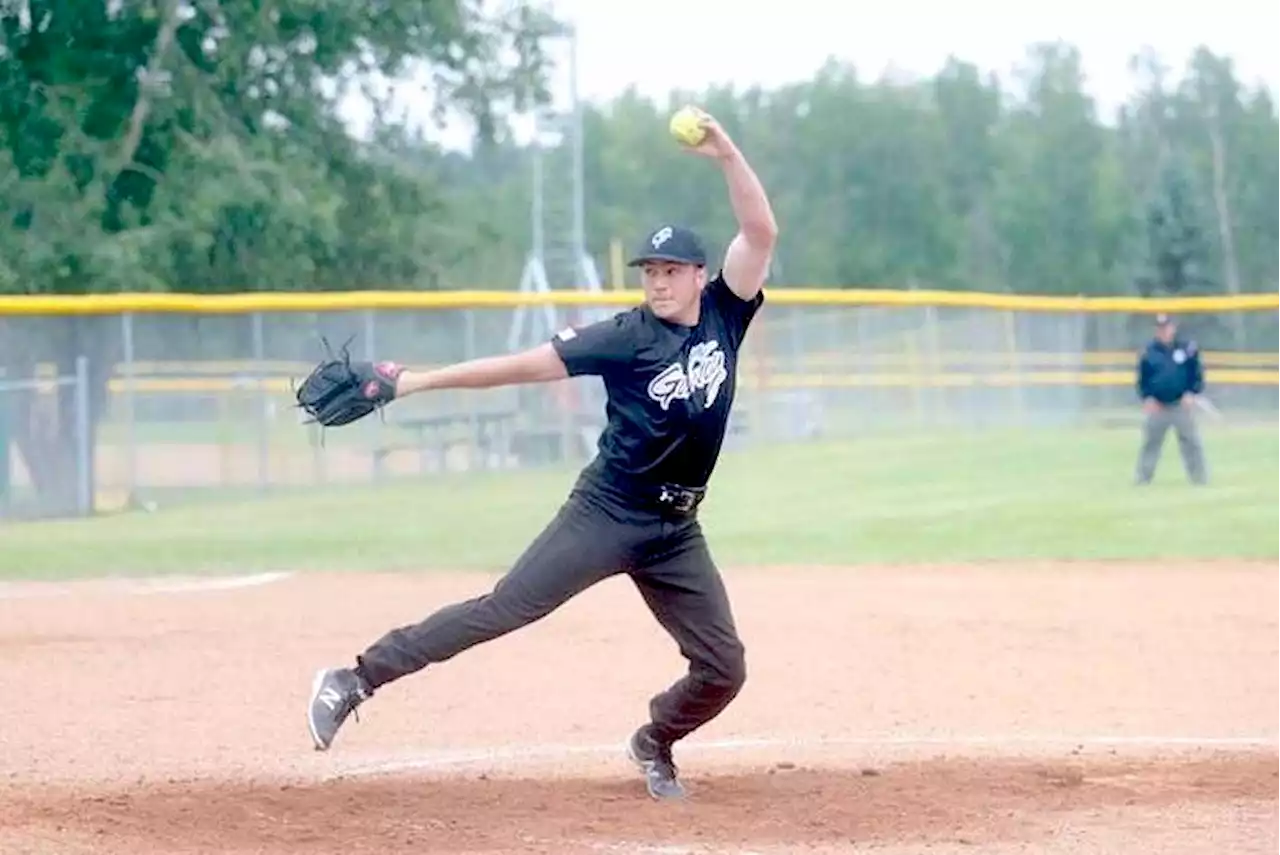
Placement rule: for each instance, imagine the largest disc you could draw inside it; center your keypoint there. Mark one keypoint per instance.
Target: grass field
(1048, 494)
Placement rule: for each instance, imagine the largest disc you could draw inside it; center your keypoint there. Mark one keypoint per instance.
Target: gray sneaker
(653, 757)
(335, 694)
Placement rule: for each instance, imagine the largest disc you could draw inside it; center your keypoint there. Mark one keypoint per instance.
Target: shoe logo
(330, 697)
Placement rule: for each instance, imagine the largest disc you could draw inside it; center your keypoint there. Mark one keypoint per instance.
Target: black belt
(670, 498)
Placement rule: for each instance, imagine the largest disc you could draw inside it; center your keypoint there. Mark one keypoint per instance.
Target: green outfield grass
(970, 496)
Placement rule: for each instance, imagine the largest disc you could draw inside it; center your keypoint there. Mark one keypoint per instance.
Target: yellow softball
(686, 125)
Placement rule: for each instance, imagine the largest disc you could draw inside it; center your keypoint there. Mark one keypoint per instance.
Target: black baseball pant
(591, 538)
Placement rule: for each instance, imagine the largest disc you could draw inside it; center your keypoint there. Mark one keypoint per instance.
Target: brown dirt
(1038, 708)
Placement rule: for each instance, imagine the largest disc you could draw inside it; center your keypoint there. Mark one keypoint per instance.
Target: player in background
(1170, 377)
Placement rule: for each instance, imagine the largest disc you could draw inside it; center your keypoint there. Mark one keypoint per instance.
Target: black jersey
(669, 387)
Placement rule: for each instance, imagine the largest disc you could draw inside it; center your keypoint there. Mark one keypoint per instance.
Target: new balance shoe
(335, 694)
(653, 757)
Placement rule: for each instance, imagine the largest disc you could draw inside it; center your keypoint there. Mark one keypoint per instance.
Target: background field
(967, 495)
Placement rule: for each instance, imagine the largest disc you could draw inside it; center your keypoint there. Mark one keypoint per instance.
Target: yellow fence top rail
(244, 303)
(782, 380)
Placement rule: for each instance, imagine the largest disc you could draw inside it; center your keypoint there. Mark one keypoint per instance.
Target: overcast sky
(719, 41)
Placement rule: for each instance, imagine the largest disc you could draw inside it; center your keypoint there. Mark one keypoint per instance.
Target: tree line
(176, 145)
(959, 181)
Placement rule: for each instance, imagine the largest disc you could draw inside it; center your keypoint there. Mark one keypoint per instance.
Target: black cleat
(335, 694)
(654, 759)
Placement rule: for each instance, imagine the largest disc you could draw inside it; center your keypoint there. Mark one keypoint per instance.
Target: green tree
(970, 111)
(157, 144)
(1058, 207)
(1178, 260)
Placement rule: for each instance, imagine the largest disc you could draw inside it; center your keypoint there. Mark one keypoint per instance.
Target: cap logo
(661, 236)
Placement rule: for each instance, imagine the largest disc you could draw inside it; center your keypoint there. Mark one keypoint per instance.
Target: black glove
(339, 391)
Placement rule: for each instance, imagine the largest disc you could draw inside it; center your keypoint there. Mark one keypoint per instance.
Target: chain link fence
(46, 445)
(109, 410)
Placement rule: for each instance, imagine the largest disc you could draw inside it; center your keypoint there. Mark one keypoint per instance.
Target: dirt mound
(1049, 709)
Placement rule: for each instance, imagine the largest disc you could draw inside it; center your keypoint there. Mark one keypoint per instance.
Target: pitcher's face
(673, 290)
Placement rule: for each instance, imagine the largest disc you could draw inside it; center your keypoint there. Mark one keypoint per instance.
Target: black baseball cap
(671, 243)
(1163, 319)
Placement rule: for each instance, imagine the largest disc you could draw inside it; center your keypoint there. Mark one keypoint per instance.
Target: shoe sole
(316, 683)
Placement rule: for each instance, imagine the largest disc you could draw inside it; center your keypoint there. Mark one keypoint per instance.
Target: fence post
(370, 335)
(131, 419)
(370, 324)
(264, 427)
(1013, 363)
(5, 476)
(1074, 344)
(864, 362)
(475, 444)
(84, 473)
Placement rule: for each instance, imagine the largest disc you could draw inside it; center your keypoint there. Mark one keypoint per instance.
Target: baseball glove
(339, 391)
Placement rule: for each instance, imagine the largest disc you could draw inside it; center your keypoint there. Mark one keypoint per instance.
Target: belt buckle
(682, 500)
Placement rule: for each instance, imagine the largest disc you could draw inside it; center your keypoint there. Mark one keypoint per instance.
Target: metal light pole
(534, 278)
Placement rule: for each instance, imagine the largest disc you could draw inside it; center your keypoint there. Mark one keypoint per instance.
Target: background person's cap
(1163, 319)
(671, 243)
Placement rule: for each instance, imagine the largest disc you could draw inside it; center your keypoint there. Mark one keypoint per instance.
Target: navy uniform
(1169, 372)
(633, 510)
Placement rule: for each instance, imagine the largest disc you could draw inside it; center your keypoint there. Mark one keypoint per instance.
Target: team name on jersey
(706, 370)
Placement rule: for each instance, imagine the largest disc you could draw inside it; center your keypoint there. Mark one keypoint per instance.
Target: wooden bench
(433, 437)
(556, 438)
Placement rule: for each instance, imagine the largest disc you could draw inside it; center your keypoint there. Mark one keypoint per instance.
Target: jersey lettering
(706, 371)
(669, 385)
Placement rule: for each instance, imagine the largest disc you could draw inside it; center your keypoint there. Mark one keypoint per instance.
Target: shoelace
(351, 701)
(663, 760)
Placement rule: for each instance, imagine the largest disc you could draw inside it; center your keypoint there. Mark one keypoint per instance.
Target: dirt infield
(1048, 708)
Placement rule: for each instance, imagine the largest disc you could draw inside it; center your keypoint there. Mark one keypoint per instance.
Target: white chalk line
(528, 754)
(667, 849)
(216, 583)
(137, 586)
